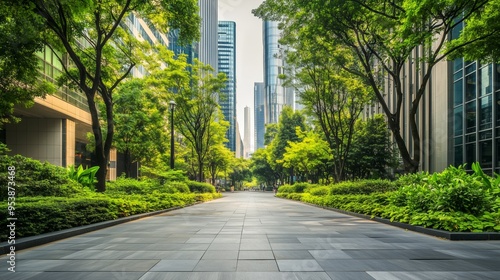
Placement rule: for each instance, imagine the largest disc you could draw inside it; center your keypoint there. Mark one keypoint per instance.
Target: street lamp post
(172, 107)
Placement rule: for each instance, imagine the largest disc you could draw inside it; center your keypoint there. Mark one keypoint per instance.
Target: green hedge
(452, 200)
(33, 178)
(200, 187)
(363, 187)
(36, 215)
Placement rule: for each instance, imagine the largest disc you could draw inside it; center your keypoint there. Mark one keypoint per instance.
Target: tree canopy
(98, 51)
(382, 36)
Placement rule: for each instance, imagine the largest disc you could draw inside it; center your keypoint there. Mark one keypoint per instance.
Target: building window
(485, 113)
(485, 154)
(470, 114)
(485, 78)
(458, 92)
(470, 87)
(459, 154)
(458, 127)
(470, 154)
(497, 102)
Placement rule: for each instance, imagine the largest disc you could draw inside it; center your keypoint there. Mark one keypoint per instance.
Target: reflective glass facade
(476, 114)
(207, 51)
(227, 65)
(273, 67)
(259, 98)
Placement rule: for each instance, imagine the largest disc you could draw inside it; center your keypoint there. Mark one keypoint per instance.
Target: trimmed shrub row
(451, 200)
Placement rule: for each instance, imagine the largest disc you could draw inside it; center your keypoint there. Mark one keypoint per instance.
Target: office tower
(273, 67)
(246, 134)
(227, 65)
(207, 48)
(259, 115)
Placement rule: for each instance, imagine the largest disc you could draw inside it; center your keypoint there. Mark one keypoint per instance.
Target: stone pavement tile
(80, 276)
(329, 254)
(299, 265)
(350, 276)
(292, 254)
(105, 265)
(224, 247)
(424, 254)
(220, 255)
(432, 275)
(216, 265)
(441, 265)
(39, 265)
(98, 255)
(226, 240)
(290, 246)
(42, 254)
(358, 265)
(256, 255)
(252, 246)
(284, 240)
(471, 254)
(18, 275)
(175, 265)
(256, 265)
(240, 275)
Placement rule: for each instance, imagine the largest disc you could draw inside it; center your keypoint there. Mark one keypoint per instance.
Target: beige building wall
(41, 139)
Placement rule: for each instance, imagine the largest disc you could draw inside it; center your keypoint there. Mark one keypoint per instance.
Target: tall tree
(197, 110)
(309, 157)
(372, 154)
(20, 74)
(99, 51)
(382, 36)
(139, 122)
(288, 123)
(334, 97)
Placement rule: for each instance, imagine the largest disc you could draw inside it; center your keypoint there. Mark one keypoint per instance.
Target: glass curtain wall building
(273, 67)
(207, 49)
(227, 65)
(476, 113)
(259, 96)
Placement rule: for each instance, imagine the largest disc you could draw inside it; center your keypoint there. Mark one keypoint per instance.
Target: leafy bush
(86, 177)
(179, 187)
(34, 178)
(164, 175)
(319, 191)
(302, 187)
(200, 187)
(286, 189)
(449, 191)
(363, 187)
(131, 186)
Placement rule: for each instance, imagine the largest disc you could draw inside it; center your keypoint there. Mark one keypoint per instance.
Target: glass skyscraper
(227, 65)
(207, 49)
(273, 67)
(259, 97)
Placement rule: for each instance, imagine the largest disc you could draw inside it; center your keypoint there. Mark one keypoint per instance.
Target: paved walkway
(252, 235)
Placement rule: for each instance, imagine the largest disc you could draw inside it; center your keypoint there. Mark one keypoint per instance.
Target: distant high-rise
(246, 134)
(227, 65)
(259, 115)
(207, 49)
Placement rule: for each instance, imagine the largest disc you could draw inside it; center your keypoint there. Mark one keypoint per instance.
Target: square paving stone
(256, 255)
(292, 255)
(299, 265)
(216, 265)
(175, 265)
(220, 255)
(257, 265)
(329, 254)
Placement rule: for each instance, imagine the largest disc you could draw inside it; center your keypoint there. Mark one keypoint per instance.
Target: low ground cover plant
(47, 199)
(452, 200)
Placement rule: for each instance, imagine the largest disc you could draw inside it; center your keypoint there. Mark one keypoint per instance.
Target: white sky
(249, 53)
